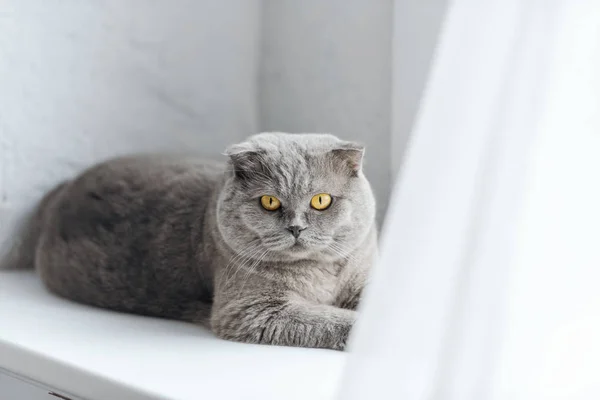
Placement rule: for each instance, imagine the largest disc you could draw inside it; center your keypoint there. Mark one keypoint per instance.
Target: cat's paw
(351, 302)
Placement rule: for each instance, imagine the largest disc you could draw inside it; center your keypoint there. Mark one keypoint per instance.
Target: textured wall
(326, 67)
(83, 80)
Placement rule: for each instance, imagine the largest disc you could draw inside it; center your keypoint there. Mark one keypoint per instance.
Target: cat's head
(295, 196)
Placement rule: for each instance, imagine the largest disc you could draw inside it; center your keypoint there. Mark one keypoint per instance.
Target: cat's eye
(320, 201)
(270, 203)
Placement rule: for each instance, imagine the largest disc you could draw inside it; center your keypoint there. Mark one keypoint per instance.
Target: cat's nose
(295, 230)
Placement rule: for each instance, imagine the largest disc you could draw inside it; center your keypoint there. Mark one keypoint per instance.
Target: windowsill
(97, 354)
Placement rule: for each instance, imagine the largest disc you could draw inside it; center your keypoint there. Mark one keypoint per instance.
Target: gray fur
(187, 239)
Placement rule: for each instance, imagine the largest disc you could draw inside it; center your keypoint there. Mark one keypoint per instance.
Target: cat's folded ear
(245, 160)
(349, 155)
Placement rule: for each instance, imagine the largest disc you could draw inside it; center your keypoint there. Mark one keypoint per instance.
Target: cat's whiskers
(242, 253)
(243, 256)
(346, 251)
(343, 252)
(242, 263)
(252, 269)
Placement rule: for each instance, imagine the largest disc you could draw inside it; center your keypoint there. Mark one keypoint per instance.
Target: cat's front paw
(328, 328)
(352, 301)
(341, 343)
(338, 337)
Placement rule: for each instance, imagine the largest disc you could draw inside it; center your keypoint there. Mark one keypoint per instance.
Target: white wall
(416, 24)
(83, 80)
(326, 67)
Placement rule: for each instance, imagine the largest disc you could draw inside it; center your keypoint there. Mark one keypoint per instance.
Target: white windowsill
(97, 354)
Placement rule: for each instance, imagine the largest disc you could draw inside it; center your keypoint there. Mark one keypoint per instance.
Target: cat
(272, 247)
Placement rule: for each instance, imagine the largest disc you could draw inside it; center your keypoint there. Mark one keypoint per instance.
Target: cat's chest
(317, 282)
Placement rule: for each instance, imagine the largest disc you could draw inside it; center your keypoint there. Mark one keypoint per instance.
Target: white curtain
(488, 285)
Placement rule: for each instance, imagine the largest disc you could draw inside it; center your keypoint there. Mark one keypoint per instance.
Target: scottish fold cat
(274, 246)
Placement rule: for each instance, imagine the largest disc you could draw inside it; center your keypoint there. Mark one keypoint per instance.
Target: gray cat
(274, 247)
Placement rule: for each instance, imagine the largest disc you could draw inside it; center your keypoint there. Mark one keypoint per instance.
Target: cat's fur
(187, 239)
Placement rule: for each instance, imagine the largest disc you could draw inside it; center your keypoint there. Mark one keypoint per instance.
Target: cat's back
(121, 235)
(148, 185)
(152, 172)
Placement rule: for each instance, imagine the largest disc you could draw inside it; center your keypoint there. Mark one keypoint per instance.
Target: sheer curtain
(488, 283)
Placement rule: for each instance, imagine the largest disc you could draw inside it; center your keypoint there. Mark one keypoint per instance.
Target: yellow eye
(270, 203)
(320, 201)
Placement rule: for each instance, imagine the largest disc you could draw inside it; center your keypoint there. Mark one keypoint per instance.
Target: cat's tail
(20, 253)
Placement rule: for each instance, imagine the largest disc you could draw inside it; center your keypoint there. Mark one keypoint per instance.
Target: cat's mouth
(298, 245)
(304, 247)
(296, 248)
